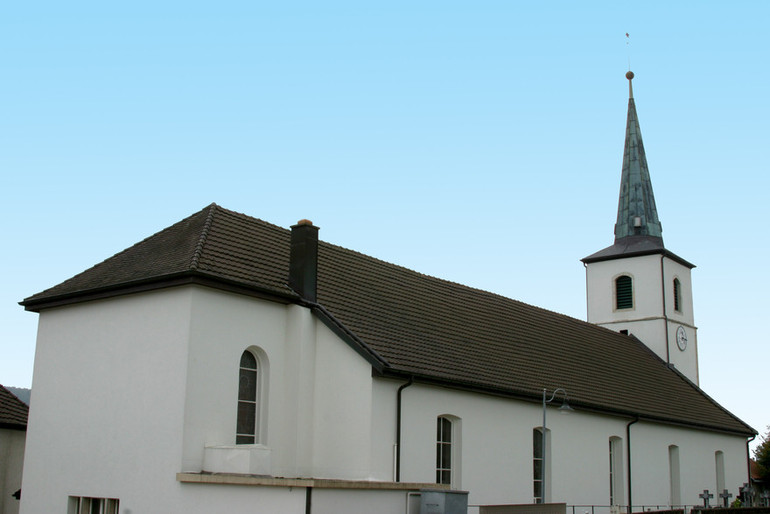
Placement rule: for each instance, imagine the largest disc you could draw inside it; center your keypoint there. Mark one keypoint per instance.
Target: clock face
(681, 338)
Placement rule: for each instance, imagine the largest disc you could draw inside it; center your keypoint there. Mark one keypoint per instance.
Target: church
(225, 364)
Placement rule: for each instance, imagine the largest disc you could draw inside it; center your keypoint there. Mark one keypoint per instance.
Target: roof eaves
(656, 251)
(13, 426)
(159, 282)
(533, 397)
(709, 398)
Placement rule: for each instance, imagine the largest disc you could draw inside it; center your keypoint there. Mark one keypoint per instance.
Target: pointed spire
(637, 214)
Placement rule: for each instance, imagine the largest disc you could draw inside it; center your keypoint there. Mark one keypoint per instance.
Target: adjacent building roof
(13, 412)
(409, 324)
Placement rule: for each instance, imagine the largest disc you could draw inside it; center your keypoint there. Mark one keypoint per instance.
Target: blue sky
(479, 142)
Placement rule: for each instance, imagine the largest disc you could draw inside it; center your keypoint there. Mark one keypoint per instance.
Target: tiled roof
(417, 325)
(13, 412)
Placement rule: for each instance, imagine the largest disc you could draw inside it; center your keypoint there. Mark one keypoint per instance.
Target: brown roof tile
(13, 412)
(417, 324)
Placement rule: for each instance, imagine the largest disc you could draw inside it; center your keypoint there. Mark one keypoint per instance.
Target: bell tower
(637, 286)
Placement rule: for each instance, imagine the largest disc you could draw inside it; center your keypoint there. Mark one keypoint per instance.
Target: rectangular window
(86, 505)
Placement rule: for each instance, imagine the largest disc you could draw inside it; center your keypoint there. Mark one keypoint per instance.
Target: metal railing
(623, 509)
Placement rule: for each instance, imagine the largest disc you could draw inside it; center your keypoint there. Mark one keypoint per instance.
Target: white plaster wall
(129, 390)
(383, 428)
(645, 272)
(685, 361)
(336, 501)
(318, 413)
(496, 460)
(342, 408)
(697, 463)
(223, 326)
(109, 382)
(121, 405)
(11, 463)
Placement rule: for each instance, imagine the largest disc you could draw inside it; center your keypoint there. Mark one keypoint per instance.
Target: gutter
(527, 396)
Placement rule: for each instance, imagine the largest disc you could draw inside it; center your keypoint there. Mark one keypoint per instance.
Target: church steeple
(637, 214)
(637, 286)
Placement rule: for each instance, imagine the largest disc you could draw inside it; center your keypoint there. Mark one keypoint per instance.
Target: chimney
(303, 260)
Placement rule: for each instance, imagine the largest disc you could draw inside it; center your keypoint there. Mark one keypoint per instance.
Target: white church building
(226, 364)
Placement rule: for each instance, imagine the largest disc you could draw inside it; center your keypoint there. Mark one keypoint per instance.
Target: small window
(444, 451)
(248, 394)
(84, 505)
(624, 292)
(677, 295)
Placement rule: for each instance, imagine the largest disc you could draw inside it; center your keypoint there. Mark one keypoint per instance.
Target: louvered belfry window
(624, 292)
(677, 295)
(246, 426)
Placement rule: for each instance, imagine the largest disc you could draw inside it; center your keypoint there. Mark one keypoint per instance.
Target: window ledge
(320, 483)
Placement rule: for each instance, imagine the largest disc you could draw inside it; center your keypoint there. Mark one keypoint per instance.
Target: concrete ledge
(320, 483)
(242, 459)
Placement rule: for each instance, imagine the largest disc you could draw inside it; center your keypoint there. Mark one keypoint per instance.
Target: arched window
(449, 450)
(443, 450)
(616, 471)
(677, 295)
(719, 460)
(624, 292)
(673, 471)
(247, 426)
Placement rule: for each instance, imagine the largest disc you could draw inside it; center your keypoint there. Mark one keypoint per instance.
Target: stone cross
(706, 495)
(746, 493)
(726, 495)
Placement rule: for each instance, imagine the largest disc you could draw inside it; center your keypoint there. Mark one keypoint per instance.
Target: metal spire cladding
(637, 214)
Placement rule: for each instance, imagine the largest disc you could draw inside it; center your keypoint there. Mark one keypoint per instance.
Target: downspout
(665, 315)
(587, 294)
(748, 461)
(398, 428)
(308, 500)
(628, 468)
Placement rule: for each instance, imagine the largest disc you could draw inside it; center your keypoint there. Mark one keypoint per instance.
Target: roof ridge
(204, 235)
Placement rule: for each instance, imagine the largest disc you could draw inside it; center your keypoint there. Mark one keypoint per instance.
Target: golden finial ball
(630, 75)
